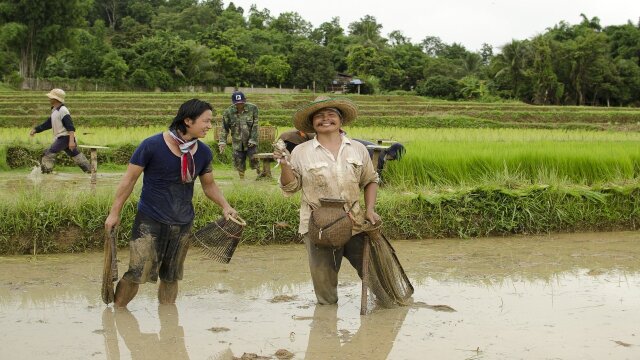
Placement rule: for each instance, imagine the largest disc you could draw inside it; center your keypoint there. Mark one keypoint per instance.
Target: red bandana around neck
(187, 166)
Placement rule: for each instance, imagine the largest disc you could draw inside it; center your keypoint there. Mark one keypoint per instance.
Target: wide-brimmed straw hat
(302, 117)
(57, 94)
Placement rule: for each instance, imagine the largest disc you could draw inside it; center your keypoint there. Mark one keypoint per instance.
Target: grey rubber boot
(47, 162)
(82, 161)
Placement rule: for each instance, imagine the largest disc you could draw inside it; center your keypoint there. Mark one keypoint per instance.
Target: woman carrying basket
(330, 170)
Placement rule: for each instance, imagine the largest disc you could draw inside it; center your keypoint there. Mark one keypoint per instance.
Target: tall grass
(67, 222)
(464, 163)
(133, 135)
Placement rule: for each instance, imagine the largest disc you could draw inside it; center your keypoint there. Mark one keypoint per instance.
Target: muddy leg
(324, 264)
(82, 162)
(47, 162)
(125, 292)
(167, 292)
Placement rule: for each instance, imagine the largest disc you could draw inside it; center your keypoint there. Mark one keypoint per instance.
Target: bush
(439, 86)
(14, 79)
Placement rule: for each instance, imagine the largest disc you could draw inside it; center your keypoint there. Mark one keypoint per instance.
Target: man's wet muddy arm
(212, 191)
(122, 194)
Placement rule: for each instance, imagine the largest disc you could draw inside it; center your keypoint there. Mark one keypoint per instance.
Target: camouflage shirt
(243, 127)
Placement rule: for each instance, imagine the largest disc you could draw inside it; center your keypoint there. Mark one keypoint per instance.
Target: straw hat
(302, 117)
(57, 94)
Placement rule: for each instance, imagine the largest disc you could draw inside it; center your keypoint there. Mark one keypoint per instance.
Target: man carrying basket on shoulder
(330, 170)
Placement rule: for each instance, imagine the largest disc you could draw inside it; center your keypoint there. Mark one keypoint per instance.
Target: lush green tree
(59, 64)
(627, 90)
(291, 23)
(89, 49)
(188, 23)
(471, 87)
(440, 87)
(130, 33)
(327, 32)
(366, 32)
(198, 66)
(444, 67)
(228, 68)
(546, 87)
(35, 29)
(364, 60)
(114, 68)
(432, 46)
(411, 61)
(110, 11)
(310, 64)
(397, 38)
(625, 42)
(163, 57)
(274, 69)
(259, 19)
(486, 53)
(510, 66)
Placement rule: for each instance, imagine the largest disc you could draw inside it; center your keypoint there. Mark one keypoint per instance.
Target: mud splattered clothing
(243, 128)
(157, 250)
(160, 235)
(164, 197)
(325, 263)
(61, 124)
(319, 175)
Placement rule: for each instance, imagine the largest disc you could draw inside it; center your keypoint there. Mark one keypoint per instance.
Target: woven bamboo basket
(265, 133)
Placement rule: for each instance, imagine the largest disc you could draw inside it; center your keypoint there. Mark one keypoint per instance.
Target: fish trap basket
(387, 279)
(218, 240)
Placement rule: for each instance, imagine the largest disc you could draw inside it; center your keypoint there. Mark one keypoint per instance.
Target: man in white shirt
(330, 166)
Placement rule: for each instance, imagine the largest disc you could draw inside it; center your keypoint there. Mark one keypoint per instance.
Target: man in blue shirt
(160, 236)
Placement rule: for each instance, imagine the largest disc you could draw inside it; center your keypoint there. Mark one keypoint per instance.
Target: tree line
(166, 44)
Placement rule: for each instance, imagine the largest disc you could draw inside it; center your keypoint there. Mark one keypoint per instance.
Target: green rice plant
(66, 221)
(463, 163)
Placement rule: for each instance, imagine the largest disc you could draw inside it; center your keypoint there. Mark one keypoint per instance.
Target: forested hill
(167, 44)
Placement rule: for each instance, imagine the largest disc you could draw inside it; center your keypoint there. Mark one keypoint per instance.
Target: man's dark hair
(396, 150)
(191, 109)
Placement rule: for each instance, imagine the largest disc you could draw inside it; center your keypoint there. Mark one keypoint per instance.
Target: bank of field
(471, 169)
(64, 221)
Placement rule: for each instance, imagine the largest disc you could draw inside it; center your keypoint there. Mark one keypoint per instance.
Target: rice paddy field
(471, 169)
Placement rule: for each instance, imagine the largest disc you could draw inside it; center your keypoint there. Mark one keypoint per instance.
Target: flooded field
(574, 296)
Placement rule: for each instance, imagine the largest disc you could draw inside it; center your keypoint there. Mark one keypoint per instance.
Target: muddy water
(554, 297)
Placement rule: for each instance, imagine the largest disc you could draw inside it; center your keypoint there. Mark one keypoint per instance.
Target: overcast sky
(469, 22)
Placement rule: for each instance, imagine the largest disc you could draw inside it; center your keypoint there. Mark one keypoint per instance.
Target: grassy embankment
(463, 180)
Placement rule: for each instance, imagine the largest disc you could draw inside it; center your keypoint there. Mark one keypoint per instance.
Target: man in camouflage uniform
(241, 120)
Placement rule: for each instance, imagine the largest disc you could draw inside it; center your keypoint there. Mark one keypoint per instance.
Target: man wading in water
(160, 236)
(64, 134)
(330, 166)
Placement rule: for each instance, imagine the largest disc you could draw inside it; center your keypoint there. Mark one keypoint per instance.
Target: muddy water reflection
(562, 296)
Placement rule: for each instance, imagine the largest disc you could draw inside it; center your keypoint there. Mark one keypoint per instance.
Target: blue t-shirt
(164, 197)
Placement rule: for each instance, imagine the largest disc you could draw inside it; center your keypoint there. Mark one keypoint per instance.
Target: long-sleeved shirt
(318, 174)
(60, 121)
(242, 126)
